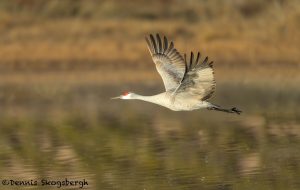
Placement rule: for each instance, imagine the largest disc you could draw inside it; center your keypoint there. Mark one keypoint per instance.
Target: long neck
(156, 99)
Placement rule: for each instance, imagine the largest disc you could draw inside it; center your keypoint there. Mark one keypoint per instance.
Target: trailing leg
(218, 108)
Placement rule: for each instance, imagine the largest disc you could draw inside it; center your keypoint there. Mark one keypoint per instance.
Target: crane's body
(188, 84)
(165, 100)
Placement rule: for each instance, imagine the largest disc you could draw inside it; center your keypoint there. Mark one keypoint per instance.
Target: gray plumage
(188, 82)
(169, 63)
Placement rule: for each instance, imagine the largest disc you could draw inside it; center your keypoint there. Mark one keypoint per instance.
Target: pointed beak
(118, 97)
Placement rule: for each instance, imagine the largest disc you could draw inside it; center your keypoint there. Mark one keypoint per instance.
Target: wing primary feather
(150, 47)
(165, 44)
(178, 59)
(159, 43)
(186, 68)
(153, 43)
(170, 48)
(205, 60)
(198, 57)
(172, 53)
(191, 60)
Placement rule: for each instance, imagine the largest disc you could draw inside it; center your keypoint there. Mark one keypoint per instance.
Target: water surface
(77, 132)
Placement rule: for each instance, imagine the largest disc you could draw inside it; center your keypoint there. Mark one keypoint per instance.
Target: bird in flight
(189, 83)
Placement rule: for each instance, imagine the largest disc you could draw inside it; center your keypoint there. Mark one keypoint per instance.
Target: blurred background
(61, 61)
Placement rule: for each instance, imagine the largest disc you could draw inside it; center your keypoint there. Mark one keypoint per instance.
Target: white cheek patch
(126, 97)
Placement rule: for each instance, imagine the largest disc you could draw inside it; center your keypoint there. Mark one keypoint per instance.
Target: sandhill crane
(188, 84)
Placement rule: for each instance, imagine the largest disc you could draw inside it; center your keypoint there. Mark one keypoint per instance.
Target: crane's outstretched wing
(169, 63)
(198, 81)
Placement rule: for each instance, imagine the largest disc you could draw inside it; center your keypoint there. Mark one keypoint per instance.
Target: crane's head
(125, 95)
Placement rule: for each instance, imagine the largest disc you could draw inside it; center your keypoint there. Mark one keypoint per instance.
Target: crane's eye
(125, 93)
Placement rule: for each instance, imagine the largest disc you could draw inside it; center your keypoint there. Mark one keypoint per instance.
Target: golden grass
(115, 40)
(108, 48)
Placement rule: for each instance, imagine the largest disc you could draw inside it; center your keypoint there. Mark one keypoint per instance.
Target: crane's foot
(235, 110)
